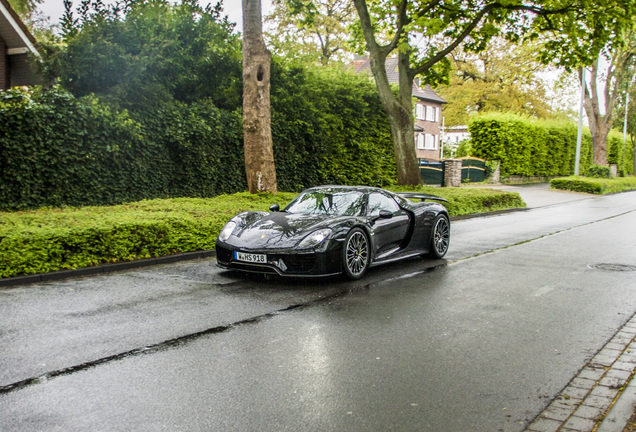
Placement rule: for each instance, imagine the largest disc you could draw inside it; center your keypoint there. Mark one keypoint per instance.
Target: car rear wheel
(356, 254)
(440, 237)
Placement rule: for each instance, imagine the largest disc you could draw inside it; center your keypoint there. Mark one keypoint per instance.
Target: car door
(388, 233)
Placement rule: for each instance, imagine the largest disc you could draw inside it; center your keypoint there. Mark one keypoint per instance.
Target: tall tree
(313, 30)
(421, 33)
(504, 77)
(605, 86)
(24, 8)
(147, 52)
(257, 130)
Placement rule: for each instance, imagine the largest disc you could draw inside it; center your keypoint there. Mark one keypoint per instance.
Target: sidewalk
(602, 397)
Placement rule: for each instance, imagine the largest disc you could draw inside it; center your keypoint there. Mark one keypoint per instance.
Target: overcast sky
(232, 8)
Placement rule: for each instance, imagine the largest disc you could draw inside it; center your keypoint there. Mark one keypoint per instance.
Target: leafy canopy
(429, 30)
(146, 51)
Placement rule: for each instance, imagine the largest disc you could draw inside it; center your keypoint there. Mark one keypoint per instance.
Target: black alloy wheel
(440, 237)
(356, 254)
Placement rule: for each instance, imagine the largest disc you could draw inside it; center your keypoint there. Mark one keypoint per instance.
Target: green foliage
(310, 30)
(328, 127)
(503, 78)
(615, 155)
(54, 239)
(59, 151)
(464, 148)
(528, 147)
(149, 52)
(466, 200)
(598, 171)
(594, 185)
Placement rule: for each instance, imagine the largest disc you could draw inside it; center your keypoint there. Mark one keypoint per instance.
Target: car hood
(263, 230)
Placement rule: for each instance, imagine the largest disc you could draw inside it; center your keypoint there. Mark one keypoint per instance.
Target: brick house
(17, 44)
(427, 111)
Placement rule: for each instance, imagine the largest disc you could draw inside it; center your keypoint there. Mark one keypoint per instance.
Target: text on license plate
(249, 257)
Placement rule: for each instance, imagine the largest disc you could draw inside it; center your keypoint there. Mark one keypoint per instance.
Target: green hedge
(530, 147)
(594, 185)
(46, 240)
(466, 200)
(328, 127)
(58, 150)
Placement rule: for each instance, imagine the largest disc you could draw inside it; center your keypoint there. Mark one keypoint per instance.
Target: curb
(585, 402)
(104, 268)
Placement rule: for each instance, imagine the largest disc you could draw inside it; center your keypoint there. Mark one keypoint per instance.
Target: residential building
(17, 44)
(427, 111)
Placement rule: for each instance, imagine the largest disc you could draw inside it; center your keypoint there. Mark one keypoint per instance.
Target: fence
(433, 172)
(473, 170)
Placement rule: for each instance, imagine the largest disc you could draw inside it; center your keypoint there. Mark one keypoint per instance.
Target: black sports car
(330, 230)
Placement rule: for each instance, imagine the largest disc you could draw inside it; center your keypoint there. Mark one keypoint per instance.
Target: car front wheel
(356, 254)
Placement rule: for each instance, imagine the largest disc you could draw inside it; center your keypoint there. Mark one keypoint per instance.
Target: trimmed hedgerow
(594, 185)
(466, 200)
(531, 147)
(53, 239)
(328, 127)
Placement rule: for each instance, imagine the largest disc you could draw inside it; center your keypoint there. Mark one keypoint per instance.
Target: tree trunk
(399, 109)
(257, 130)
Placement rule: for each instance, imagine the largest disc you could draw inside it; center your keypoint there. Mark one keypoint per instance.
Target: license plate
(251, 258)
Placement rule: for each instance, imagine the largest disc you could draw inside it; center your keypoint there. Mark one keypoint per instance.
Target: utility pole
(579, 133)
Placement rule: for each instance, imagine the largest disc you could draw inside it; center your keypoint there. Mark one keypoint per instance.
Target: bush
(60, 150)
(53, 239)
(528, 147)
(599, 171)
(594, 185)
(466, 200)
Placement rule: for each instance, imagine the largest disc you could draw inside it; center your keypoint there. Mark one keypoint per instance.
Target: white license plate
(251, 258)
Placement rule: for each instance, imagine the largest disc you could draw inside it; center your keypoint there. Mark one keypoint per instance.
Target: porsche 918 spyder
(331, 230)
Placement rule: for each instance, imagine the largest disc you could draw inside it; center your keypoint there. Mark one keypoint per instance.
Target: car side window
(378, 201)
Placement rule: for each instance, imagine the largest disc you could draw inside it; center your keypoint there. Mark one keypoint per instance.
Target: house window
(430, 113)
(420, 141)
(420, 111)
(431, 142)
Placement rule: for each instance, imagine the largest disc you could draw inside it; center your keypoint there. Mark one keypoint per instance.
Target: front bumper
(282, 263)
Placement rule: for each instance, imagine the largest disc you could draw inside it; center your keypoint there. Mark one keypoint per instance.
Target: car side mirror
(385, 214)
(274, 208)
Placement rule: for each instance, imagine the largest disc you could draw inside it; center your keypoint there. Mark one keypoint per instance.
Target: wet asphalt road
(481, 341)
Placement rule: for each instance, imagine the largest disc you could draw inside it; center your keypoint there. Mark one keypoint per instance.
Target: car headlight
(227, 231)
(315, 238)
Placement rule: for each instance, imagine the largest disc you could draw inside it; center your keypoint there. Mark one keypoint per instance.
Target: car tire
(356, 254)
(440, 237)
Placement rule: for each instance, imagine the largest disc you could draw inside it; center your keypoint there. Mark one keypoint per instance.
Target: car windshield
(328, 202)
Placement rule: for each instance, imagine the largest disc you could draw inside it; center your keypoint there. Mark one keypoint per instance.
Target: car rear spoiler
(421, 196)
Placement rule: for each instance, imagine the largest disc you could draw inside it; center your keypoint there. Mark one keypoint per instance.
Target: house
(428, 111)
(17, 44)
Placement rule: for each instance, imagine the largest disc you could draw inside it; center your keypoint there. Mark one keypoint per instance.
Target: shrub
(594, 185)
(599, 171)
(528, 147)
